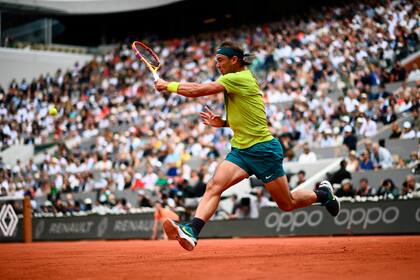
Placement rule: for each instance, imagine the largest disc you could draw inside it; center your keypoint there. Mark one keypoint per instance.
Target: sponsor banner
(385, 217)
(94, 227)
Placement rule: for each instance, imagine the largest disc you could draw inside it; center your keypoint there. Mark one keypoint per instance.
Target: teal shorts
(264, 159)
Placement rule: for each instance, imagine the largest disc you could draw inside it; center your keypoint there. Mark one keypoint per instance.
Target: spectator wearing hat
(363, 103)
(364, 188)
(408, 132)
(137, 182)
(327, 139)
(350, 140)
(346, 189)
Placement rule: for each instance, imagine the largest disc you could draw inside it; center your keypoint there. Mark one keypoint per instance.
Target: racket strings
(148, 55)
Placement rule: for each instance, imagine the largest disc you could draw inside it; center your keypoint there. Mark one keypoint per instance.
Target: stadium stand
(322, 81)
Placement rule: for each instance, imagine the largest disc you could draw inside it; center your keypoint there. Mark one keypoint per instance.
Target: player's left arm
(190, 89)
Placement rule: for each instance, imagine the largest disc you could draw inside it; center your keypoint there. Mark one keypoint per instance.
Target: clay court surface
(383, 257)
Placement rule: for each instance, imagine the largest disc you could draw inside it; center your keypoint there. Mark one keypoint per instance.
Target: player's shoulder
(244, 74)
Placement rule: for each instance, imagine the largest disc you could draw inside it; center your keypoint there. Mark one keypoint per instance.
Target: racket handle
(155, 76)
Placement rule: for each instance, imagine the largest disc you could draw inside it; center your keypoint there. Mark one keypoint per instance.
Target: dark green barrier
(384, 217)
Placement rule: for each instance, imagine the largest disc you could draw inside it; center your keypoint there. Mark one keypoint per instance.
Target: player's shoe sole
(174, 232)
(333, 205)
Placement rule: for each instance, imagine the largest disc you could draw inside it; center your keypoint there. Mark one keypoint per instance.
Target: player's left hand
(209, 118)
(161, 85)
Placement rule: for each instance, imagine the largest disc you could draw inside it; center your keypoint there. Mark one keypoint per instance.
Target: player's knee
(213, 188)
(287, 207)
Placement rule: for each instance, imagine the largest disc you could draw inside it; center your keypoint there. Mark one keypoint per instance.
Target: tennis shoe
(181, 232)
(333, 203)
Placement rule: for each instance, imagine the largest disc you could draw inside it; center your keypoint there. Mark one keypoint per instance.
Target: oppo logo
(366, 217)
(418, 215)
(293, 220)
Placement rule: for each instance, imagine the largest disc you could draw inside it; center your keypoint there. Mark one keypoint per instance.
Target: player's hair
(243, 58)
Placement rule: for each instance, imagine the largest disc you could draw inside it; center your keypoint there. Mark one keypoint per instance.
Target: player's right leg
(227, 174)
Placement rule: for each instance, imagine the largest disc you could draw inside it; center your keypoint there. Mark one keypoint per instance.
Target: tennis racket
(145, 54)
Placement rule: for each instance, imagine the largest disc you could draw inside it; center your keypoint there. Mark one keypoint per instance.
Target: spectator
(137, 182)
(408, 132)
(414, 160)
(414, 74)
(142, 199)
(411, 183)
(396, 131)
(368, 127)
(258, 202)
(3, 191)
(327, 140)
(235, 204)
(346, 189)
(243, 209)
(382, 93)
(198, 189)
(307, 156)
(388, 190)
(389, 116)
(350, 140)
(366, 163)
(150, 179)
(382, 158)
(415, 115)
(400, 162)
(123, 204)
(341, 174)
(398, 73)
(352, 162)
(300, 177)
(364, 188)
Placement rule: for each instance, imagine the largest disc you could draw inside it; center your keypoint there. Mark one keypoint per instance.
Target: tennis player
(254, 149)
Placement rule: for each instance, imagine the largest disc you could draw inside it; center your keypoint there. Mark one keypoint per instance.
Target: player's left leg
(288, 201)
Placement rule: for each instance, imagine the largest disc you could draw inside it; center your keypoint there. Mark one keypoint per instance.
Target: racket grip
(155, 76)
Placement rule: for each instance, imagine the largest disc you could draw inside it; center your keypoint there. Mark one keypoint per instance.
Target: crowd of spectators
(322, 74)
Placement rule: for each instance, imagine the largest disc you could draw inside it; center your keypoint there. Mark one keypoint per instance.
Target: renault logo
(8, 220)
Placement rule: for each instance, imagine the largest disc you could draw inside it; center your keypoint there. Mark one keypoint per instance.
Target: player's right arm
(190, 89)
